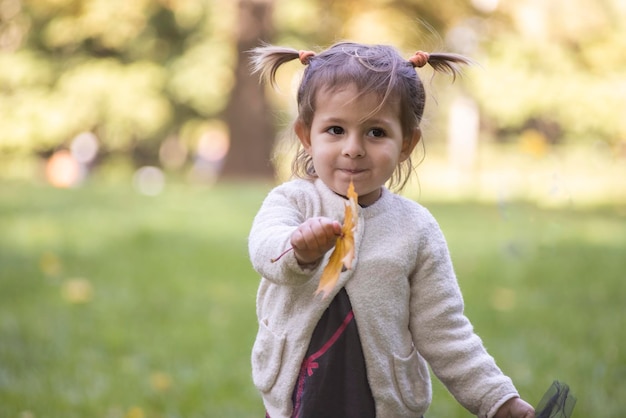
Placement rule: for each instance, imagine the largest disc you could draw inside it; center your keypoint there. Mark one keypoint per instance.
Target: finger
(323, 230)
(332, 228)
(325, 234)
(316, 235)
(297, 240)
(310, 236)
(330, 233)
(301, 237)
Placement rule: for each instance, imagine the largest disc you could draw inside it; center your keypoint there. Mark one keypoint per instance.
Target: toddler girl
(364, 349)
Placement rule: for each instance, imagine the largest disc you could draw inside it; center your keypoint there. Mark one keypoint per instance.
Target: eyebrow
(372, 121)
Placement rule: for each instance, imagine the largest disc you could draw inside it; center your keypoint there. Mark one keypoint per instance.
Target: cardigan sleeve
(443, 334)
(283, 210)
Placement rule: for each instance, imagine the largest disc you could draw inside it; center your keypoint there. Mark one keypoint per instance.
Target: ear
(304, 135)
(409, 143)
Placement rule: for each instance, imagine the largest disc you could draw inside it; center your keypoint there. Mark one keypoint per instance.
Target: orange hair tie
(419, 59)
(305, 56)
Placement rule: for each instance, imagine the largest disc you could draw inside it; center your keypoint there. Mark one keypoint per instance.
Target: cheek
(321, 158)
(389, 156)
(322, 150)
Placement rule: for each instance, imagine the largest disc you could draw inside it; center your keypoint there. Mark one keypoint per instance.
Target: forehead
(349, 98)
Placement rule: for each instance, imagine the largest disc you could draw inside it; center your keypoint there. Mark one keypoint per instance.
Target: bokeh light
(149, 180)
(213, 145)
(84, 147)
(211, 149)
(173, 153)
(63, 170)
(486, 6)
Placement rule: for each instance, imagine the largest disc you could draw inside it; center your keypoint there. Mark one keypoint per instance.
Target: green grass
(161, 319)
(545, 290)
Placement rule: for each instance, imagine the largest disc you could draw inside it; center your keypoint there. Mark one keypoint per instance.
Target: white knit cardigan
(405, 297)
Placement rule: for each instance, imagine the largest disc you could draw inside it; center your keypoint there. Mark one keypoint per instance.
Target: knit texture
(405, 297)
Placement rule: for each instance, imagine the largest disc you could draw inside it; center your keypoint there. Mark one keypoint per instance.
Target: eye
(335, 130)
(376, 133)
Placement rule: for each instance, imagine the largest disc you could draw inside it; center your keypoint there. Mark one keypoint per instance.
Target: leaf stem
(273, 260)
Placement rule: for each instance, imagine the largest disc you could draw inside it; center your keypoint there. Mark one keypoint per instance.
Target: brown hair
(377, 69)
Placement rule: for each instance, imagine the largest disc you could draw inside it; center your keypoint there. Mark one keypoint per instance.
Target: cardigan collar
(337, 202)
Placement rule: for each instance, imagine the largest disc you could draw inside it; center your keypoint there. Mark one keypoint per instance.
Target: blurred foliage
(137, 72)
(563, 62)
(129, 71)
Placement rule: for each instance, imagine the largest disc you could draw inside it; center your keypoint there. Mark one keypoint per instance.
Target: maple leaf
(343, 254)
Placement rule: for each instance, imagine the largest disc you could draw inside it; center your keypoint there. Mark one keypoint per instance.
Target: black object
(557, 402)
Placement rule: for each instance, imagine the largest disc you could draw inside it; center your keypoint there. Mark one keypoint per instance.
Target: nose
(353, 147)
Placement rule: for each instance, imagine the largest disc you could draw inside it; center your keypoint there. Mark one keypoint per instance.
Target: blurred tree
(138, 72)
(132, 72)
(248, 114)
(559, 67)
(407, 24)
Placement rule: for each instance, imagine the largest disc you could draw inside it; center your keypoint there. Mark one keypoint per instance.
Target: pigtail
(442, 62)
(267, 59)
(448, 63)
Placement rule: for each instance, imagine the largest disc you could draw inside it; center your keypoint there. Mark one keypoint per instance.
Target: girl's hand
(515, 408)
(314, 238)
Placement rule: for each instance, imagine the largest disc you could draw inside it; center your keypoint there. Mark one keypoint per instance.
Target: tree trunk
(248, 113)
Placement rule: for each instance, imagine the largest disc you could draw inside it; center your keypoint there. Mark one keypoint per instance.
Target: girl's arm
(444, 336)
(287, 221)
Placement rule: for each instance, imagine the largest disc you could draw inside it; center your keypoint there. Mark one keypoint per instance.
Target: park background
(135, 149)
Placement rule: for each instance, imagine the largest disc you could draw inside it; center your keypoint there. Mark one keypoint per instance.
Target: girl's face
(349, 142)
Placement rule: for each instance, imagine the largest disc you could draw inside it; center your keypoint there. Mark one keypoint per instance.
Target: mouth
(352, 171)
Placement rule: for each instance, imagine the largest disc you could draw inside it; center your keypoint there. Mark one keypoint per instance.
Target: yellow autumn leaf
(160, 382)
(135, 412)
(343, 254)
(77, 291)
(50, 264)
